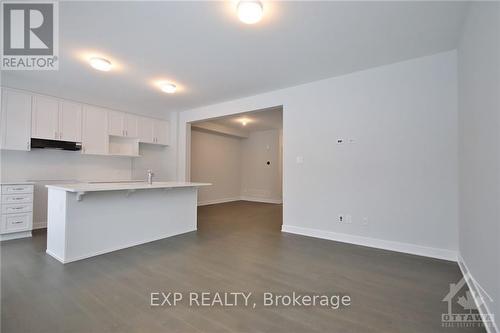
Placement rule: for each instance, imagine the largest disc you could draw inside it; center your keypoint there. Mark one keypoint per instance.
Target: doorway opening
(241, 155)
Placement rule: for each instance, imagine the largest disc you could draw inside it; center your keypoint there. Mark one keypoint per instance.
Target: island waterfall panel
(85, 225)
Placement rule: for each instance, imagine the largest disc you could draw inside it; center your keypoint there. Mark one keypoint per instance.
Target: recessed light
(100, 64)
(250, 12)
(168, 87)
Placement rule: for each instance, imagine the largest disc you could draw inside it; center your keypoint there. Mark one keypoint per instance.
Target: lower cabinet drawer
(16, 222)
(17, 198)
(14, 189)
(17, 208)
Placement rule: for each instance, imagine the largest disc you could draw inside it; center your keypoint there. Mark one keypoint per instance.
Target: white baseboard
(374, 242)
(15, 235)
(477, 292)
(217, 201)
(39, 225)
(244, 198)
(259, 199)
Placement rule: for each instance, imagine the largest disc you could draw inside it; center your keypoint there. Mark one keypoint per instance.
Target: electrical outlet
(340, 141)
(340, 218)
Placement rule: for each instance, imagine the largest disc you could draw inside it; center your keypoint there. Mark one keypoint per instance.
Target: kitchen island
(88, 219)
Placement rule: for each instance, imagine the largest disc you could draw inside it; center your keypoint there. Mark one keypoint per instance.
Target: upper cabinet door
(70, 122)
(161, 132)
(45, 118)
(116, 123)
(145, 129)
(131, 130)
(95, 138)
(15, 120)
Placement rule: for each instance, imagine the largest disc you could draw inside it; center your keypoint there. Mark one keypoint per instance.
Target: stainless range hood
(55, 144)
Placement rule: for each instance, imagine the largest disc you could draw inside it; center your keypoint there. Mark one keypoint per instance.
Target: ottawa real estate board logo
(467, 308)
(30, 35)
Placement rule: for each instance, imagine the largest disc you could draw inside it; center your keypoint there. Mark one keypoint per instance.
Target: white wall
(216, 159)
(236, 166)
(402, 171)
(260, 181)
(479, 153)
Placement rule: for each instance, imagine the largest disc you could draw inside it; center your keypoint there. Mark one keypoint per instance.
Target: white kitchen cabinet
(45, 118)
(122, 124)
(15, 120)
(95, 139)
(153, 131)
(16, 210)
(161, 132)
(70, 121)
(145, 129)
(131, 126)
(55, 119)
(116, 123)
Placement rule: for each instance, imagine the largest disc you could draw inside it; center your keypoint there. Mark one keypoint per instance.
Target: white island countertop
(120, 186)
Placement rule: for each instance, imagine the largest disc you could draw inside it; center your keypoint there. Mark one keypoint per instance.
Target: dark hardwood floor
(238, 247)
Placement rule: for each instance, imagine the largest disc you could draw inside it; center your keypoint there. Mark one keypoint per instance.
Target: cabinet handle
(55, 135)
(17, 222)
(28, 146)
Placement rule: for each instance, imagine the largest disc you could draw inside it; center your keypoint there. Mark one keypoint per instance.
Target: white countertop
(119, 186)
(17, 183)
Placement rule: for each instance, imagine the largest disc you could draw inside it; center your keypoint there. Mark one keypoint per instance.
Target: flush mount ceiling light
(168, 87)
(250, 12)
(100, 64)
(244, 121)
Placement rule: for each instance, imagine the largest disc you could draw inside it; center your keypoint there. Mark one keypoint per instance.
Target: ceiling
(261, 120)
(214, 57)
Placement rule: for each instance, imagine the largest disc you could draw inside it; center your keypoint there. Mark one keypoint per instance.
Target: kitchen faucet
(150, 177)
